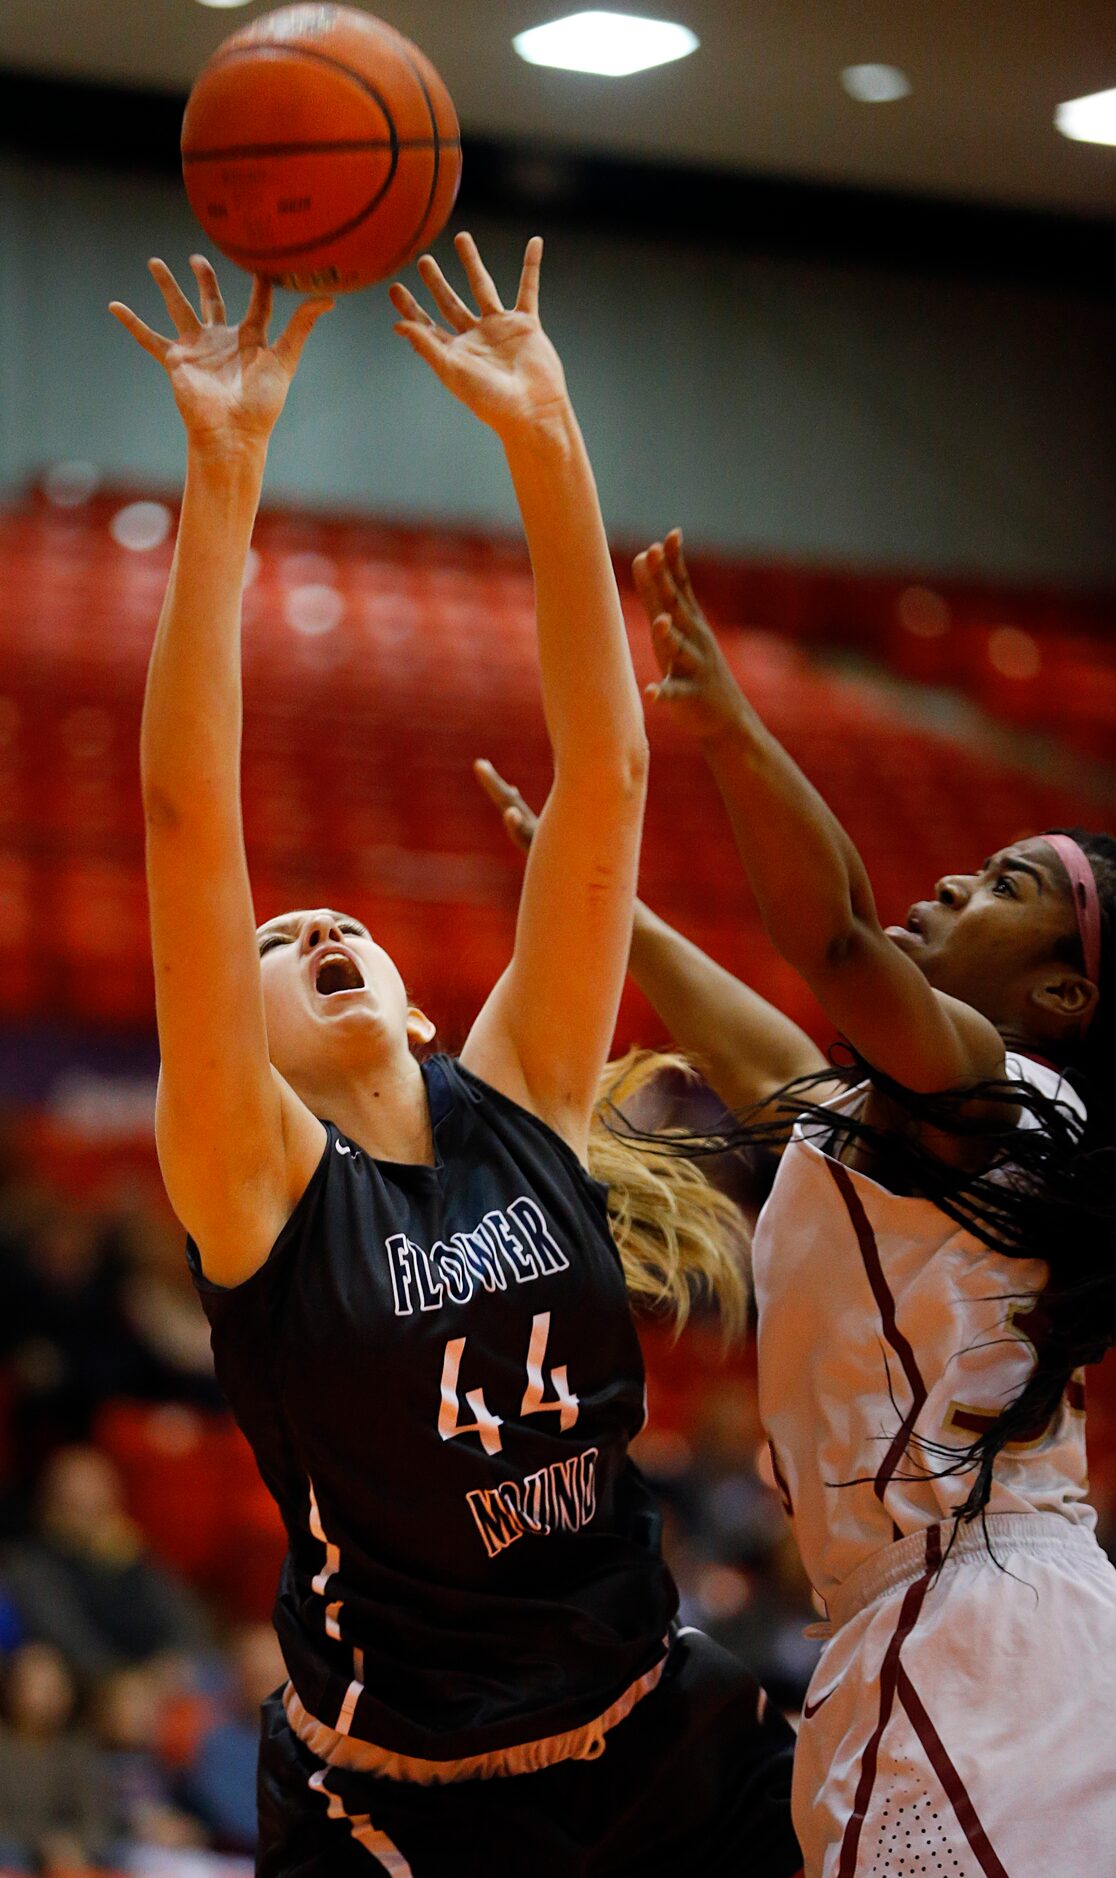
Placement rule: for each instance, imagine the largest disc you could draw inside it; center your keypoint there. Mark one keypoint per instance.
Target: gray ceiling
(761, 94)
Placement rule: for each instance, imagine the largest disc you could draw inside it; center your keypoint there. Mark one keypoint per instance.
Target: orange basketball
(320, 148)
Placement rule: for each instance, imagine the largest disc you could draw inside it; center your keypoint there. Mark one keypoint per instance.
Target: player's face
(330, 993)
(987, 936)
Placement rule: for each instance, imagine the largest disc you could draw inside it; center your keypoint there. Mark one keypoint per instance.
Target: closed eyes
(270, 940)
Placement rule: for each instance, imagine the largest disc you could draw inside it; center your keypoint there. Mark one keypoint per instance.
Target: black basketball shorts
(695, 1783)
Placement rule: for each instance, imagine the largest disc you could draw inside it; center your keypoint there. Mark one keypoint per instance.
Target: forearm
(680, 982)
(808, 879)
(190, 737)
(742, 1044)
(590, 697)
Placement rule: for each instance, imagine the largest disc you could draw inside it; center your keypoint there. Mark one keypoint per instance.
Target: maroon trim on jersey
(956, 1791)
(912, 1603)
(885, 1304)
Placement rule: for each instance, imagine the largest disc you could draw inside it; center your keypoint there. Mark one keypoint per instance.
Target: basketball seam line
(317, 149)
(235, 251)
(402, 255)
(337, 65)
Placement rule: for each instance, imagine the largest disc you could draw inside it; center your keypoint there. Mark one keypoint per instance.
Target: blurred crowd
(139, 1552)
(129, 1686)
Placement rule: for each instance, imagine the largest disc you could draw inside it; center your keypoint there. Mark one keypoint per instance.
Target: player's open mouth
(912, 927)
(336, 971)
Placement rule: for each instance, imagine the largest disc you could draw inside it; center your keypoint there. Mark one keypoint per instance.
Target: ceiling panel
(762, 93)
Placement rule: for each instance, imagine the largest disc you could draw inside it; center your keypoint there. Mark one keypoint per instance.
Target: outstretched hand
(696, 681)
(228, 382)
(498, 360)
(519, 821)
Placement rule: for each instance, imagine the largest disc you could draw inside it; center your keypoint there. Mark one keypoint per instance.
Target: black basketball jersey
(439, 1376)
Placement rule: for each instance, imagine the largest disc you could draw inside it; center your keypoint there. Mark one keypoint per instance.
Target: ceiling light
(1089, 120)
(875, 84)
(223, 3)
(610, 44)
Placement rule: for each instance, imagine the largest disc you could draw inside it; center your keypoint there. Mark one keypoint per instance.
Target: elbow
(625, 776)
(841, 947)
(160, 791)
(617, 770)
(184, 809)
(628, 762)
(162, 811)
(823, 947)
(848, 945)
(635, 763)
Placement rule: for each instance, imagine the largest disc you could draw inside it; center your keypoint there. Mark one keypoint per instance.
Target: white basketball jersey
(881, 1321)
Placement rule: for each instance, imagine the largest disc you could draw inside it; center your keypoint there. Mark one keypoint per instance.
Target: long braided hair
(1047, 1191)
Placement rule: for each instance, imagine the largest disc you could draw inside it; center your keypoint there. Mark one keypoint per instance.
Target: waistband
(526, 1757)
(924, 1552)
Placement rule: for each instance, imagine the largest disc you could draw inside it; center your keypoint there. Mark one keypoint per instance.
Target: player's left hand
(697, 681)
(498, 360)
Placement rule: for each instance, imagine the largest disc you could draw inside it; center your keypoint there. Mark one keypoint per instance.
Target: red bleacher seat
(358, 740)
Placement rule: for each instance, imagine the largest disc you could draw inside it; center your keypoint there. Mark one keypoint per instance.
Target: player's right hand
(697, 680)
(497, 360)
(229, 382)
(519, 821)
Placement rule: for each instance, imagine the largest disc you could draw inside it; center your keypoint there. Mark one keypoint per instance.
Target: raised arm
(745, 1047)
(236, 1146)
(810, 883)
(544, 1033)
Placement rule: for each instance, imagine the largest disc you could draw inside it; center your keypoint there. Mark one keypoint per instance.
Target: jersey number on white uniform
(487, 1425)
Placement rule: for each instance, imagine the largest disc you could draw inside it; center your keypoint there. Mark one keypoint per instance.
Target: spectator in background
(173, 1359)
(54, 1807)
(93, 1307)
(128, 1709)
(766, 1617)
(84, 1580)
(61, 1332)
(222, 1780)
(730, 1546)
(20, 1190)
(739, 1511)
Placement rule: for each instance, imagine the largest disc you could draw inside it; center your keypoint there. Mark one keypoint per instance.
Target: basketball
(320, 148)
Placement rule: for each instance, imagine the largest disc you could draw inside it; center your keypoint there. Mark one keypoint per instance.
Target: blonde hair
(676, 1233)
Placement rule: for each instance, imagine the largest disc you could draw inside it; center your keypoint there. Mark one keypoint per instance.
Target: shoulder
(298, 1225)
(519, 1128)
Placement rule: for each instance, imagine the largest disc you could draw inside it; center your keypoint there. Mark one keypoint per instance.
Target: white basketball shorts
(961, 1722)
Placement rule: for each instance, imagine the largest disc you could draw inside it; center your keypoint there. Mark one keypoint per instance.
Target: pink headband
(1086, 903)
